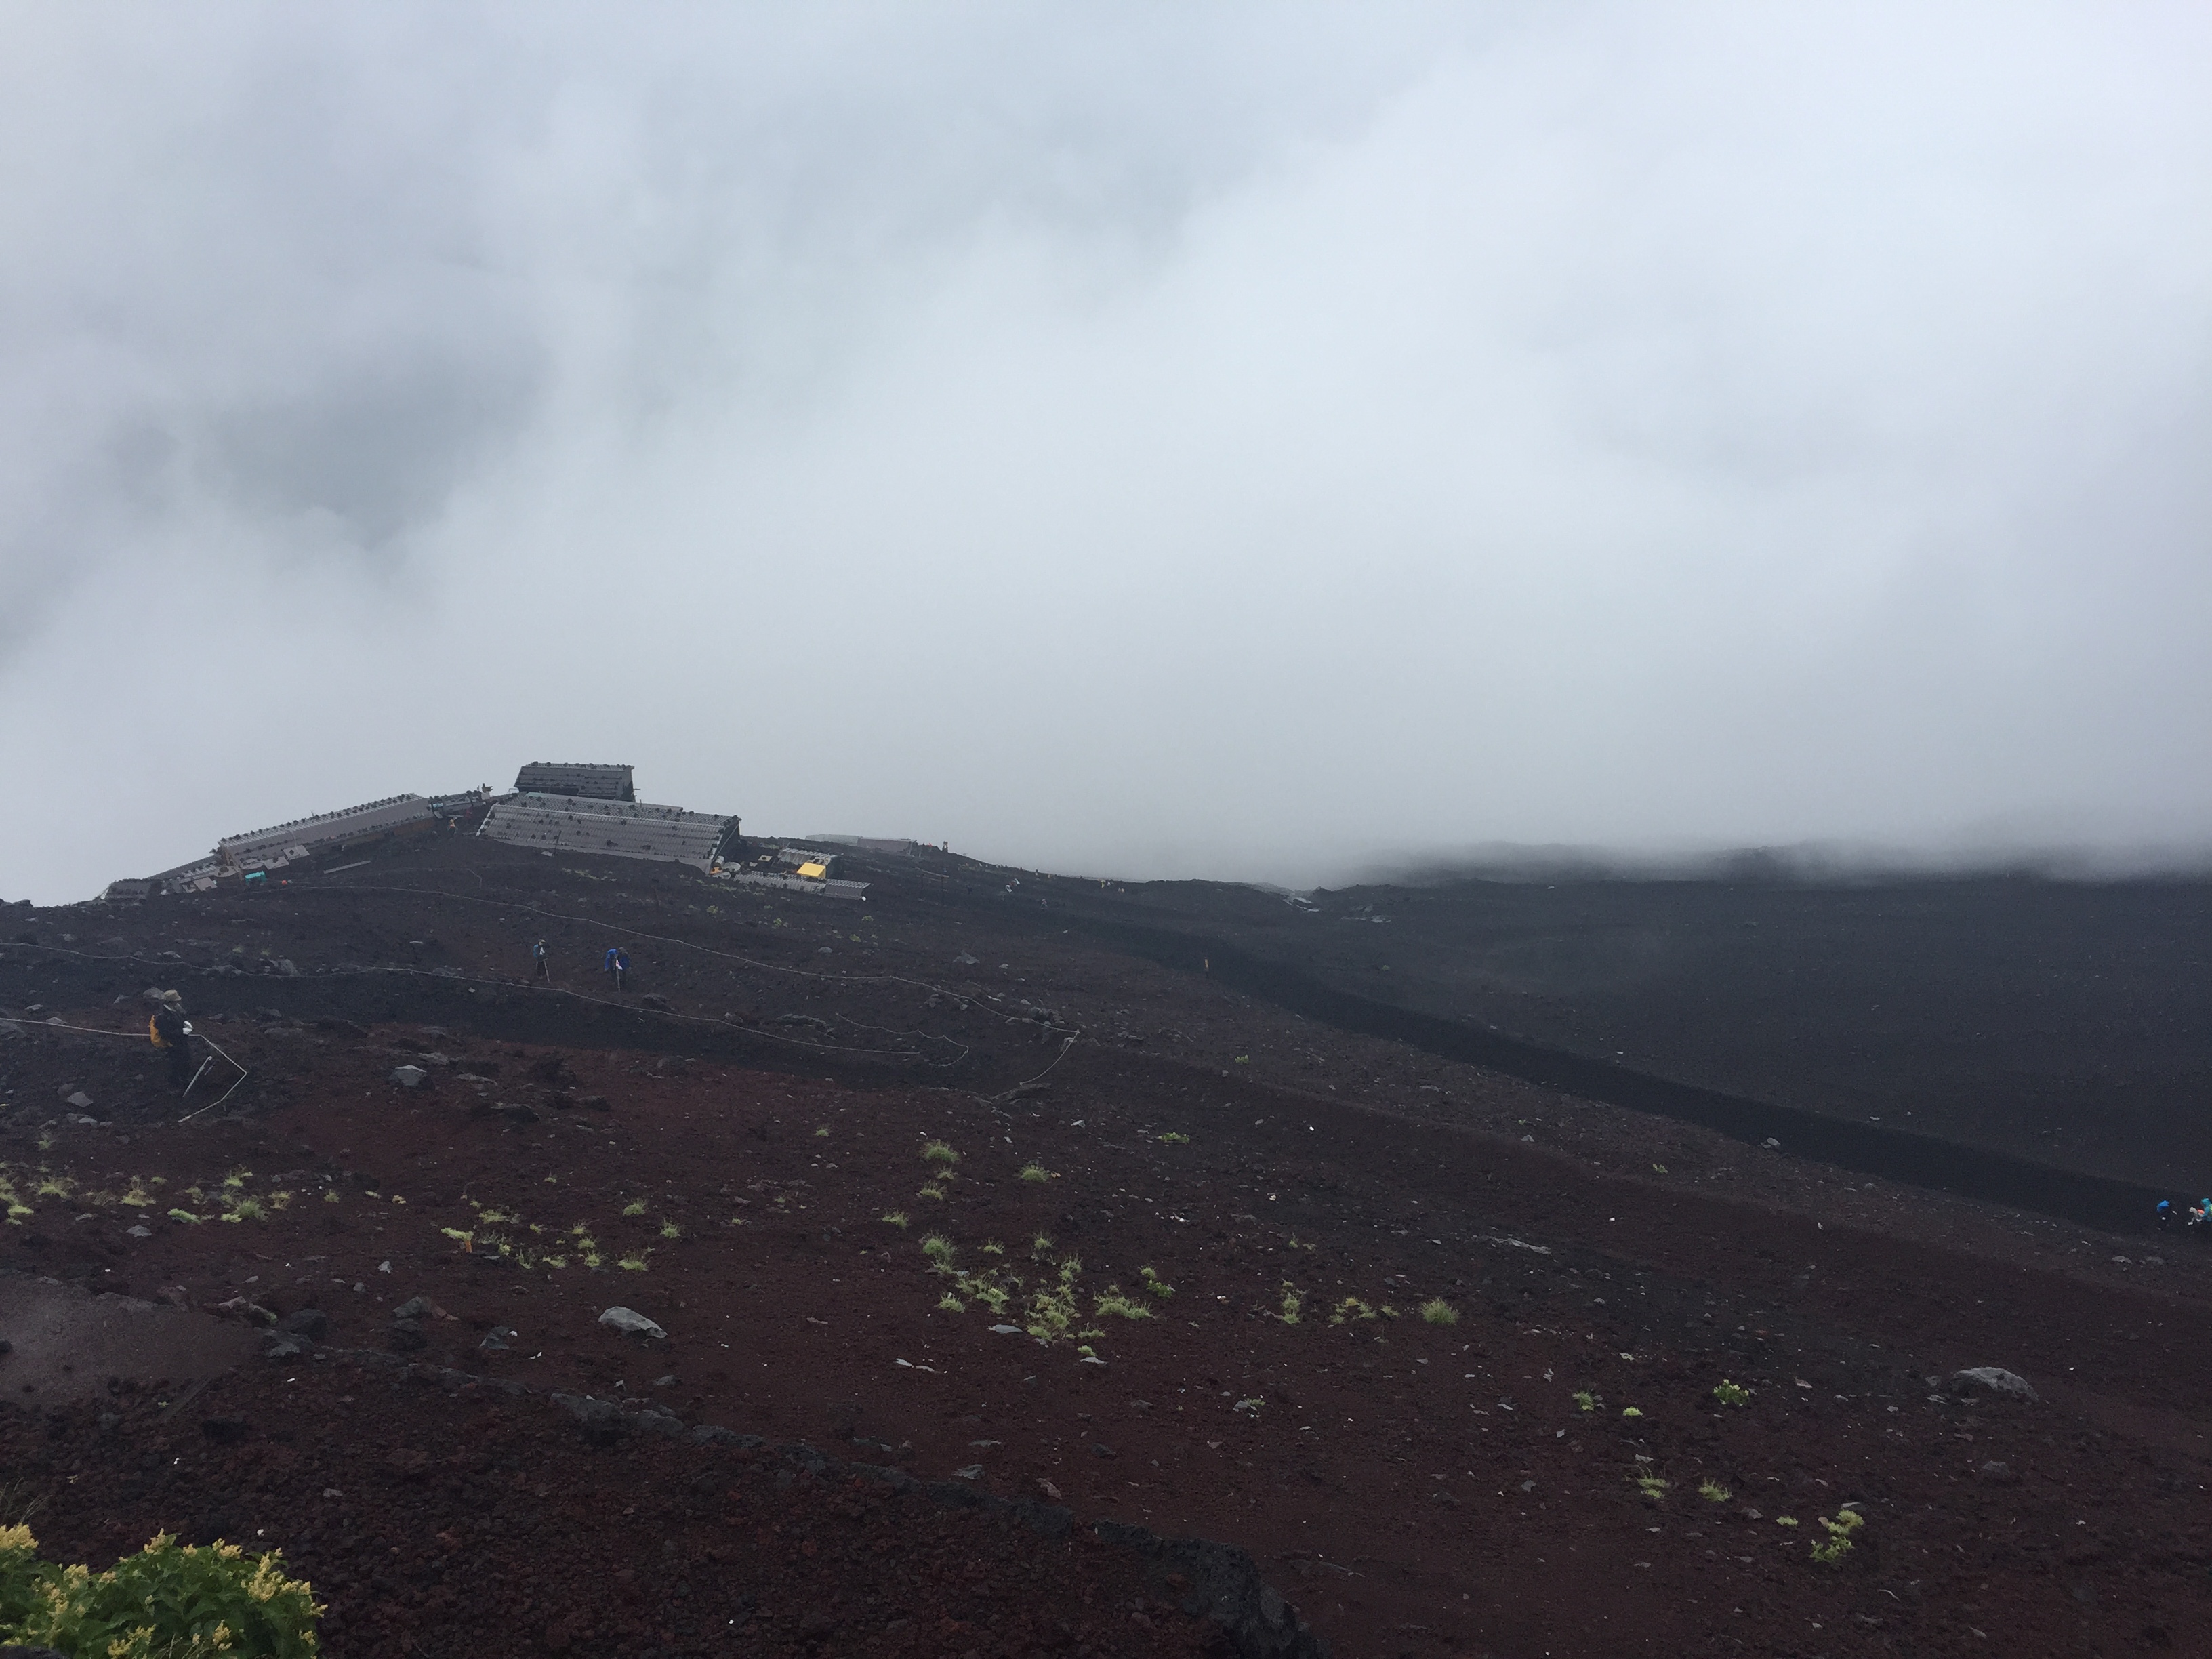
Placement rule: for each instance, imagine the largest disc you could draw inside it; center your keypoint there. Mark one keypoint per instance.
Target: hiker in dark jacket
(617, 964)
(538, 955)
(170, 1034)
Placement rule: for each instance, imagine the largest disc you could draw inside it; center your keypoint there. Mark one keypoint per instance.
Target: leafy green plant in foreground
(1437, 1311)
(1839, 1530)
(1731, 1394)
(167, 1602)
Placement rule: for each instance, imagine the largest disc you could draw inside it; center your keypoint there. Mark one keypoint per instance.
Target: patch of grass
(1839, 1530)
(951, 1303)
(1437, 1311)
(138, 1197)
(636, 1206)
(1731, 1394)
(992, 1294)
(821, 1134)
(1713, 1493)
(634, 1264)
(1040, 1245)
(1585, 1400)
(1113, 1303)
(933, 1190)
(1171, 1139)
(466, 1241)
(1158, 1286)
(1630, 1411)
(1651, 1485)
(330, 1195)
(1036, 1172)
(52, 1186)
(939, 1250)
(186, 1216)
(897, 1218)
(939, 1153)
(1785, 1520)
(670, 1229)
(280, 1201)
(1351, 1308)
(246, 1209)
(994, 1249)
(1293, 1305)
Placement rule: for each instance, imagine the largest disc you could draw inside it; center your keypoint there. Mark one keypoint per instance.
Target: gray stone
(413, 1307)
(629, 1321)
(496, 1339)
(1996, 1379)
(1997, 1474)
(80, 1100)
(140, 1231)
(1005, 1330)
(408, 1077)
(310, 1322)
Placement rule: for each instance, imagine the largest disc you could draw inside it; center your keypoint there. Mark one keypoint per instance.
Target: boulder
(409, 1077)
(1994, 1379)
(629, 1321)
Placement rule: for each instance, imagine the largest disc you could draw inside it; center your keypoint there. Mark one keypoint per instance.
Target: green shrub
(1035, 1172)
(167, 1602)
(1731, 1394)
(1114, 1303)
(937, 1153)
(1586, 1400)
(1158, 1286)
(1840, 1531)
(1437, 1311)
(1713, 1493)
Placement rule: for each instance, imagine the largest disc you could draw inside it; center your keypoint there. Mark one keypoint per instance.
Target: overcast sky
(1186, 439)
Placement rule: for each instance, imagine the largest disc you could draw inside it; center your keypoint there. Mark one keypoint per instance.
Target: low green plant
(1437, 1311)
(1351, 1308)
(1630, 1411)
(1035, 1172)
(821, 1134)
(1040, 1244)
(167, 1602)
(670, 1229)
(951, 1304)
(939, 1153)
(994, 1249)
(186, 1216)
(1651, 1485)
(330, 1195)
(634, 1264)
(1158, 1286)
(138, 1197)
(992, 1294)
(897, 1218)
(465, 1240)
(1731, 1394)
(1171, 1139)
(1713, 1493)
(939, 1250)
(1839, 1530)
(1114, 1303)
(1585, 1400)
(1293, 1305)
(1785, 1520)
(246, 1209)
(930, 1190)
(636, 1206)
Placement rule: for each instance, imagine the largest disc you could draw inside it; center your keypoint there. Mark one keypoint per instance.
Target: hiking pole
(242, 1075)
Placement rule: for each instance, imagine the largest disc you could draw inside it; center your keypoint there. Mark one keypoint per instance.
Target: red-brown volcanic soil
(1469, 1487)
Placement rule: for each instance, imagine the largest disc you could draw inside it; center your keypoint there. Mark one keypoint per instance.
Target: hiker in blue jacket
(617, 964)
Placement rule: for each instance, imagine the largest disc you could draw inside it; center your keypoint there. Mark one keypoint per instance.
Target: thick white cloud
(1232, 439)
